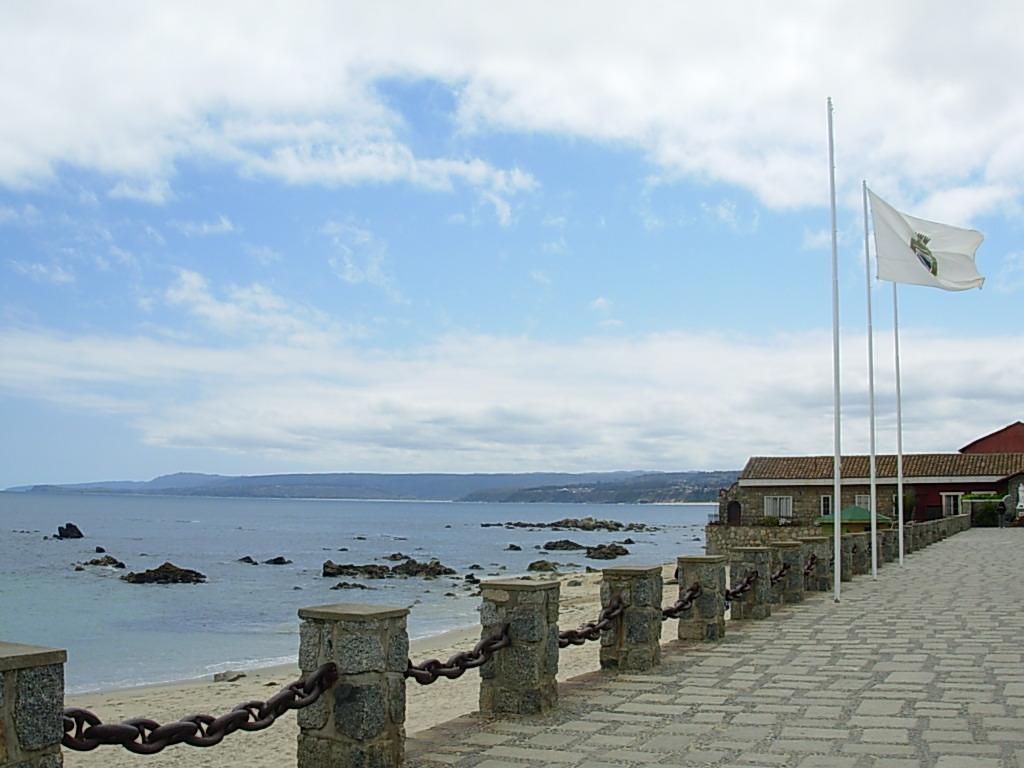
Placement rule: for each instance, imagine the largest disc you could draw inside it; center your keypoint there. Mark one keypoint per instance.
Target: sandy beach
(274, 747)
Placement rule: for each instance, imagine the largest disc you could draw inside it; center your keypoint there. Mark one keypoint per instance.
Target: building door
(732, 513)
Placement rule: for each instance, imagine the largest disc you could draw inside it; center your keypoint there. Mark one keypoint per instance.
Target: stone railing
(720, 539)
(360, 718)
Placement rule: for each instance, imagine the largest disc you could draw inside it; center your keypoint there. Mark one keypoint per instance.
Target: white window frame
(825, 501)
(958, 495)
(778, 506)
(862, 500)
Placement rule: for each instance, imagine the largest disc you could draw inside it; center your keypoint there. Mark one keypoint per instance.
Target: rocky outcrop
(279, 560)
(396, 557)
(513, 548)
(430, 570)
(562, 545)
(606, 551)
(247, 560)
(100, 551)
(349, 585)
(168, 573)
(106, 561)
(331, 568)
(577, 524)
(542, 565)
(68, 531)
(411, 567)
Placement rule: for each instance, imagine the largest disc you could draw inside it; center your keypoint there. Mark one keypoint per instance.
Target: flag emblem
(919, 245)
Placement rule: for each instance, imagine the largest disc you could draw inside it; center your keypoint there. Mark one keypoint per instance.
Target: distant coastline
(537, 487)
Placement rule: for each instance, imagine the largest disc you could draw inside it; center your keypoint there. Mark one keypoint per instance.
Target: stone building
(794, 490)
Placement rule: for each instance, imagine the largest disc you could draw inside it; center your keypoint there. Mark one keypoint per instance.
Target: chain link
(592, 629)
(812, 562)
(737, 594)
(683, 604)
(431, 669)
(84, 731)
(780, 574)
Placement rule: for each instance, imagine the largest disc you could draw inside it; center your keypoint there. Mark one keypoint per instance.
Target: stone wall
(719, 539)
(806, 500)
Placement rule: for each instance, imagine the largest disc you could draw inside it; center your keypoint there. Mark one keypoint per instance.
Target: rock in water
(68, 531)
(542, 565)
(107, 560)
(331, 568)
(562, 544)
(279, 560)
(349, 585)
(430, 570)
(513, 548)
(248, 560)
(168, 573)
(100, 551)
(606, 551)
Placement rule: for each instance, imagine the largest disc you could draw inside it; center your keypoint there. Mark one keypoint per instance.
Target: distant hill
(648, 488)
(611, 487)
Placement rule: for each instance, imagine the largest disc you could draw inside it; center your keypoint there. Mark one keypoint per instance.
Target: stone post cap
(751, 550)
(632, 570)
(701, 559)
(786, 544)
(813, 539)
(18, 656)
(352, 612)
(518, 585)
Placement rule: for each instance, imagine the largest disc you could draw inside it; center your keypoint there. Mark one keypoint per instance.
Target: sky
(475, 237)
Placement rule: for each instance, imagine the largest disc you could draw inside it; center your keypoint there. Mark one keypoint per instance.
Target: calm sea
(119, 634)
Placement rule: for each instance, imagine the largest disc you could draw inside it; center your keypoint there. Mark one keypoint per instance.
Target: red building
(1009, 439)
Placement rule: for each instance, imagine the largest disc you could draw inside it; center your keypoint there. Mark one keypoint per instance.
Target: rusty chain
(739, 591)
(592, 629)
(84, 731)
(812, 562)
(683, 604)
(780, 574)
(431, 669)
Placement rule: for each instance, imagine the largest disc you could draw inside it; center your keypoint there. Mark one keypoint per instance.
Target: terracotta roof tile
(914, 465)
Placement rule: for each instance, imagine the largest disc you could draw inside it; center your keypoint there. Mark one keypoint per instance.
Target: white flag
(912, 250)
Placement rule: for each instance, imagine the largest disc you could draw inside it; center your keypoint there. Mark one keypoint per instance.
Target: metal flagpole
(871, 393)
(899, 420)
(837, 506)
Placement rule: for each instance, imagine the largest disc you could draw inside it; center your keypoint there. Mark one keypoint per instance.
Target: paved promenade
(922, 667)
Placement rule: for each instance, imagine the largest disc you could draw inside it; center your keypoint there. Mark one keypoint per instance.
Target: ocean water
(119, 634)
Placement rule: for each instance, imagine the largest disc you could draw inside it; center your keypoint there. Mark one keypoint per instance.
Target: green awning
(854, 514)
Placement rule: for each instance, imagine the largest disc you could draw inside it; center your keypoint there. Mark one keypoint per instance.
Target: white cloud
(540, 277)
(601, 304)
(155, 191)
(725, 212)
(466, 402)
(1010, 278)
(292, 92)
(222, 226)
(360, 257)
(45, 273)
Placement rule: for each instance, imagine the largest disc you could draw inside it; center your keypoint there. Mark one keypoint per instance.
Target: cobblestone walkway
(920, 668)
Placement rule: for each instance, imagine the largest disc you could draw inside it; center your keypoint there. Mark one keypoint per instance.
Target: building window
(778, 506)
(951, 504)
(826, 505)
(863, 500)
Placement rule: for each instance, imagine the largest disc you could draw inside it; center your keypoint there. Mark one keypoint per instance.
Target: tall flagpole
(899, 420)
(837, 505)
(871, 392)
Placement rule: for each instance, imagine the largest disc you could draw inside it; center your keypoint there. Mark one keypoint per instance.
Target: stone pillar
(861, 553)
(754, 604)
(634, 641)
(887, 549)
(909, 538)
(31, 703)
(820, 578)
(360, 721)
(847, 542)
(706, 620)
(791, 588)
(520, 679)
